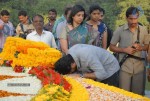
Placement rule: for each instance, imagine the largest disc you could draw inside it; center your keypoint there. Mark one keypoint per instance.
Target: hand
(138, 47)
(130, 50)
(29, 31)
(74, 75)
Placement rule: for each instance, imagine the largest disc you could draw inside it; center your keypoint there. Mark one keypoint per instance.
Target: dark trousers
(1, 50)
(113, 80)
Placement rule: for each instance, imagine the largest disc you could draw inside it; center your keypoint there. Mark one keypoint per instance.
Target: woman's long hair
(75, 9)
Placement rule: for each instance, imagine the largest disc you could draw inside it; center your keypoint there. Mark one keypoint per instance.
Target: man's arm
(139, 47)
(89, 76)
(85, 75)
(1, 26)
(128, 50)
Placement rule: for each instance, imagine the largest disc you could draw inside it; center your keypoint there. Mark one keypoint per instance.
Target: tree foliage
(114, 16)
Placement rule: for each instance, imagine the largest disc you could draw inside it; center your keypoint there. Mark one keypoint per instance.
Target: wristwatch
(81, 75)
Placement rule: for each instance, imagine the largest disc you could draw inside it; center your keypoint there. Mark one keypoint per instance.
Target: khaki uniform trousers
(132, 82)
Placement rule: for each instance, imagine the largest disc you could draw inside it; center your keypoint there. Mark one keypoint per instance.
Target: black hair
(5, 12)
(132, 11)
(75, 9)
(53, 10)
(67, 9)
(96, 7)
(63, 65)
(38, 16)
(102, 10)
(22, 13)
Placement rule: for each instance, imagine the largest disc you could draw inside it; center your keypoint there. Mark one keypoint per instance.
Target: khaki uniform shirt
(124, 37)
(26, 28)
(147, 38)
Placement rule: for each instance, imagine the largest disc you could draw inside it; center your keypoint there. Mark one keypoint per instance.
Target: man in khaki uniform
(131, 77)
(25, 26)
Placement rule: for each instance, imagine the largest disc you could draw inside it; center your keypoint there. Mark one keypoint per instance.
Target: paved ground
(147, 93)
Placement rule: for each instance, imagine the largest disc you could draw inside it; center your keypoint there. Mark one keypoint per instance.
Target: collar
(77, 61)
(5, 22)
(35, 33)
(126, 27)
(92, 24)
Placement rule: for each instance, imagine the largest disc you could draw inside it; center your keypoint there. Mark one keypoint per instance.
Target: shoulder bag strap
(138, 35)
(21, 25)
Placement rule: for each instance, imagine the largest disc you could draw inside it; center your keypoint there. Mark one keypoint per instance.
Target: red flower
(31, 71)
(19, 69)
(40, 75)
(46, 81)
(66, 85)
(8, 63)
(58, 79)
(35, 70)
(49, 76)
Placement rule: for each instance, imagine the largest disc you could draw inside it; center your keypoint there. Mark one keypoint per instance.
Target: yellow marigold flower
(42, 97)
(78, 92)
(1, 61)
(30, 53)
(54, 93)
(52, 90)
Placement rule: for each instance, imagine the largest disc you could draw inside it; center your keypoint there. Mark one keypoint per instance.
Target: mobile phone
(133, 47)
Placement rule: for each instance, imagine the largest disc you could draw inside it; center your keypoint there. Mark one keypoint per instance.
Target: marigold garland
(32, 54)
(7, 94)
(78, 92)
(3, 77)
(28, 53)
(52, 92)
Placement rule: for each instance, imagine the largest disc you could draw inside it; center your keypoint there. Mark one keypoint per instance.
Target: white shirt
(46, 37)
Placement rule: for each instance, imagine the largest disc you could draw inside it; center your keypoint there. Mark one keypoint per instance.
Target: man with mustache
(40, 35)
(25, 26)
(52, 14)
(131, 41)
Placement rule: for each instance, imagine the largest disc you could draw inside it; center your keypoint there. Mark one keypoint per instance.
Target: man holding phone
(131, 41)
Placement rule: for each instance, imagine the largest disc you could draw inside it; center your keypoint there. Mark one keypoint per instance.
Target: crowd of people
(83, 40)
